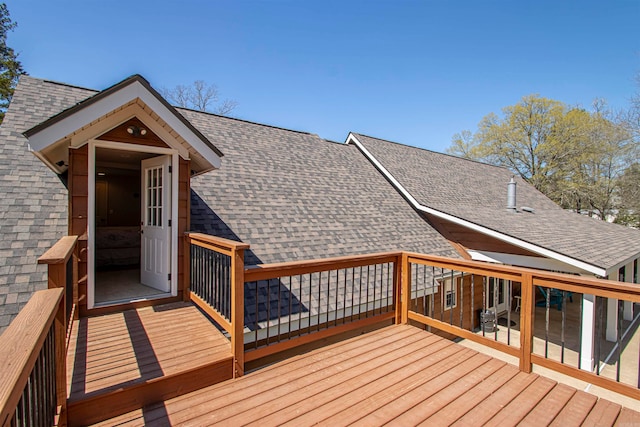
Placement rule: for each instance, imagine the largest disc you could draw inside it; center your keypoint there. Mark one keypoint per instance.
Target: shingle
(34, 208)
(477, 192)
(295, 196)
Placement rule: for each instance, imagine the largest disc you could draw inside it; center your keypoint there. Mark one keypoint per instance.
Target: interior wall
(118, 199)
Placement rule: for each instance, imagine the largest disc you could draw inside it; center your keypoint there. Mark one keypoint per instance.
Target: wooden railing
(448, 295)
(294, 303)
(33, 360)
(216, 285)
(62, 262)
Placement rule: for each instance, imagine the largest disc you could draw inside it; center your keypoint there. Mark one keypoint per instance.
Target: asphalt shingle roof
(33, 212)
(291, 195)
(477, 192)
(294, 196)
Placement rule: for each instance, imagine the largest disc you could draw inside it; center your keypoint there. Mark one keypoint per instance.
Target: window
(449, 289)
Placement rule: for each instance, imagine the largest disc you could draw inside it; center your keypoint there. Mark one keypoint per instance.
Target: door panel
(155, 265)
(497, 295)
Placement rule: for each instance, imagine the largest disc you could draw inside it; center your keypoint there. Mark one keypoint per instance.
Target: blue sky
(414, 72)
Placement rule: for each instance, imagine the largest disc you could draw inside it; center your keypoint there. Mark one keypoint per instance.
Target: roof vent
(511, 195)
(528, 209)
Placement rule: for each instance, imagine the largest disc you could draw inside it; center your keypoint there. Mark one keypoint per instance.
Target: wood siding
(470, 239)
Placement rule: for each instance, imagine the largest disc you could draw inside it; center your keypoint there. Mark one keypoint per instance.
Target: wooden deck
(122, 361)
(399, 375)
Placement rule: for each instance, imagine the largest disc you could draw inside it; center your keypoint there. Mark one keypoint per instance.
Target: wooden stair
(123, 361)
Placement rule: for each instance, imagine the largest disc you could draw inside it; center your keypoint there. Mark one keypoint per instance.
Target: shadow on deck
(122, 361)
(398, 374)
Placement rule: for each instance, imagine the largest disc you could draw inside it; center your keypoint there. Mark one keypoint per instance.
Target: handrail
(60, 252)
(219, 242)
(20, 346)
(292, 268)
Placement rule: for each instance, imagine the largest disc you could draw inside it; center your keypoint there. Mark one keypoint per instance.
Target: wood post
(237, 311)
(61, 361)
(397, 288)
(527, 312)
(405, 293)
(186, 270)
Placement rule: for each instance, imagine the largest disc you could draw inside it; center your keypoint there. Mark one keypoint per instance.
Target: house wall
(470, 320)
(78, 209)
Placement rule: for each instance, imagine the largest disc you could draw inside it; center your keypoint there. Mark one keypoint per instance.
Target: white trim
(93, 144)
(538, 263)
(487, 231)
(101, 108)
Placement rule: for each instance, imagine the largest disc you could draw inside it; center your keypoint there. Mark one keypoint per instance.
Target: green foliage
(10, 67)
(629, 213)
(575, 157)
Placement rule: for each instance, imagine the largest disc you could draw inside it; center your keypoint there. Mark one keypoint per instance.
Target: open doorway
(121, 203)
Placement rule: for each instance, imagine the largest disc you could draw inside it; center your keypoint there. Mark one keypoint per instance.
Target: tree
(525, 140)
(574, 156)
(629, 213)
(199, 96)
(10, 67)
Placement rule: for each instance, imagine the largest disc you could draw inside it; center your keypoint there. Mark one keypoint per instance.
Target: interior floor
(122, 285)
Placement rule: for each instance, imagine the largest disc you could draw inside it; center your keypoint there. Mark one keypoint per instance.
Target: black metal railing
(210, 278)
(467, 300)
(38, 405)
(285, 307)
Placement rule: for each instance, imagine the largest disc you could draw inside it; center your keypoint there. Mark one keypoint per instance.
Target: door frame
(91, 209)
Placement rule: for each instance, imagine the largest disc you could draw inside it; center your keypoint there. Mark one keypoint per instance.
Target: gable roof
(474, 194)
(106, 109)
(294, 196)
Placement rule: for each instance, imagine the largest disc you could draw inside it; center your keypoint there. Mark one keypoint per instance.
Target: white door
(497, 295)
(155, 257)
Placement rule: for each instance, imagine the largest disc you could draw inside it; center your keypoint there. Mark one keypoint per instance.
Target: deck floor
(120, 350)
(399, 375)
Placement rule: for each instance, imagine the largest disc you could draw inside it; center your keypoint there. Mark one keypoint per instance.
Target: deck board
(173, 348)
(399, 375)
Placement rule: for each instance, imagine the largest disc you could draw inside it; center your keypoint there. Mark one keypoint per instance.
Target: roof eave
(55, 129)
(594, 269)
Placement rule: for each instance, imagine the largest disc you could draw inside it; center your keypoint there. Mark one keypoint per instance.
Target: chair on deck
(555, 297)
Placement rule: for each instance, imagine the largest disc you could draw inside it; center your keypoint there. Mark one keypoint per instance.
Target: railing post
(61, 361)
(405, 292)
(237, 311)
(397, 288)
(526, 322)
(186, 274)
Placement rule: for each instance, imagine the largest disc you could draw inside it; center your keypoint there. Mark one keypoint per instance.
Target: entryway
(131, 236)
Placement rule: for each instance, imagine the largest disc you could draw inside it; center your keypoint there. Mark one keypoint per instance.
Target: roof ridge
(436, 152)
(62, 84)
(208, 113)
(177, 107)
